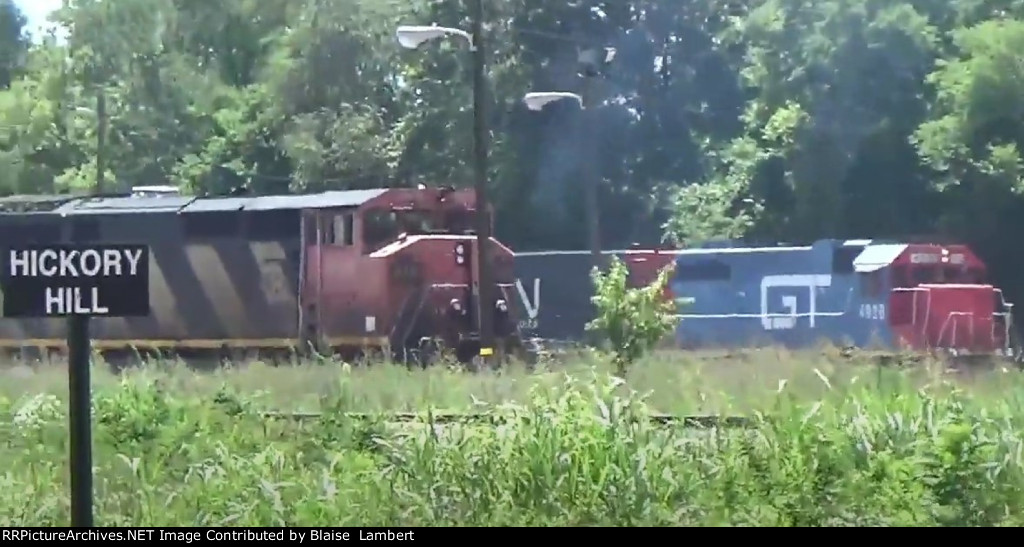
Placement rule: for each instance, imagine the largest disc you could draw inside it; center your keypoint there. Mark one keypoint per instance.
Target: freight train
(859, 293)
(345, 271)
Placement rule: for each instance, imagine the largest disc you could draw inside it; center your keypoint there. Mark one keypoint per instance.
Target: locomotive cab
(408, 272)
(937, 297)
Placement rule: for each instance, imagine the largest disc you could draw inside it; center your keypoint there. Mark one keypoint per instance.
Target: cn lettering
(532, 309)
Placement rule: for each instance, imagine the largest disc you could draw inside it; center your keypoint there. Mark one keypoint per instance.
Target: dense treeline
(771, 119)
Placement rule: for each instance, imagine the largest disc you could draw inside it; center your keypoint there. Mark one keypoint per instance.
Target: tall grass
(834, 443)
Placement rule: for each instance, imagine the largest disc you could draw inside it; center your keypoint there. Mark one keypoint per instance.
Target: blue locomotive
(862, 293)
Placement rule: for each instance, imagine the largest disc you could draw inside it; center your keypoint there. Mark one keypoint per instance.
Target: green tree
(632, 320)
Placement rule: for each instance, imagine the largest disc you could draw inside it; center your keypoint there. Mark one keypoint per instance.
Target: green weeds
(834, 443)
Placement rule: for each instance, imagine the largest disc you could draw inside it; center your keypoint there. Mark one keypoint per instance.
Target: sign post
(77, 282)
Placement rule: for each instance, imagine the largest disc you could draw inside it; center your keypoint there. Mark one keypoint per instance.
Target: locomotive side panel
(553, 290)
(205, 292)
(26, 229)
(796, 297)
(352, 298)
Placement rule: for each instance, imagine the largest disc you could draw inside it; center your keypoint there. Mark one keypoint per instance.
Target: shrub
(633, 320)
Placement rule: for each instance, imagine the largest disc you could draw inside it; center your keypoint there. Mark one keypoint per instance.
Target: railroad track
(691, 422)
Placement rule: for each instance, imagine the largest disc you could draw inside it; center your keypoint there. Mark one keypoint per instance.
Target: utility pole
(412, 37)
(79, 369)
(101, 139)
(591, 170)
(485, 301)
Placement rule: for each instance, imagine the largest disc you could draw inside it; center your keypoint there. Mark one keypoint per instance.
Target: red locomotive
(343, 271)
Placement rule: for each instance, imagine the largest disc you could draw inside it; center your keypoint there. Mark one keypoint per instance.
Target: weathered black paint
(566, 290)
(195, 302)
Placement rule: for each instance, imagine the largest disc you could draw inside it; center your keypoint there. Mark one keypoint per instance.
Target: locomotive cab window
(379, 227)
(924, 274)
(899, 277)
(943, 274)
(340, 231)
(458, 221)
(872, 284)
(843, 257)
(705, 270)
(975, 276)
(415, 222)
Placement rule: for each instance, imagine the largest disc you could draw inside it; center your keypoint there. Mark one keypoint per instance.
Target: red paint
(940, 300)
(962, 317)
(645, 265)
(405, 283)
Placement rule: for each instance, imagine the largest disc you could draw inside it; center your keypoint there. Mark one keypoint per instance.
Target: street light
(412, 37)
(538, 100)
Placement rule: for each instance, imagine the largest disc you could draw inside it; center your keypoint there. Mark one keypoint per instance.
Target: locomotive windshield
(383, 226)
(918, 274)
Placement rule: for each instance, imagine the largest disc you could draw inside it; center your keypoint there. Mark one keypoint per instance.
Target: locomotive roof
(191, 204)
(98, 206)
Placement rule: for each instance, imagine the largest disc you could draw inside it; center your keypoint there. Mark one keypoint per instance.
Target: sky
(36, 12)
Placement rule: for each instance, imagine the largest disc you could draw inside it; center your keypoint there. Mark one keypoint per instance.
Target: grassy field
(837, 441)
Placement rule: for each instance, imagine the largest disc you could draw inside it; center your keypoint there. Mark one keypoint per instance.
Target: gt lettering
(872, 311)
(788, 320)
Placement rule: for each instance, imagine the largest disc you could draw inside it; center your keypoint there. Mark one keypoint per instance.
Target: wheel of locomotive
(526, 351)
(1016, 348)
(468, 355)
(424, 354)
(430, 350)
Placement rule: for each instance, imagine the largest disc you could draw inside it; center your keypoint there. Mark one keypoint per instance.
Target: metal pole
(485, 302)
(80, 421)
(79, 377)
(591, 175)
(101, 138)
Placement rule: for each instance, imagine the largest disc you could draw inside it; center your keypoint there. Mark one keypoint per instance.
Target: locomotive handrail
(1006, 315)
(946, 323)
(405, 317)
(913, 304)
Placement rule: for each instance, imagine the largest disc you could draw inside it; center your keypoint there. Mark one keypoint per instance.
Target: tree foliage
(632, 320)
(769, 120)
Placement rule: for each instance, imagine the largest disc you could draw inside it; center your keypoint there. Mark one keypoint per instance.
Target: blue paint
(791, 296)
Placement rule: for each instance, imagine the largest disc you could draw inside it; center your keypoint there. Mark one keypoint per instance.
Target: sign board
(75, 280)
